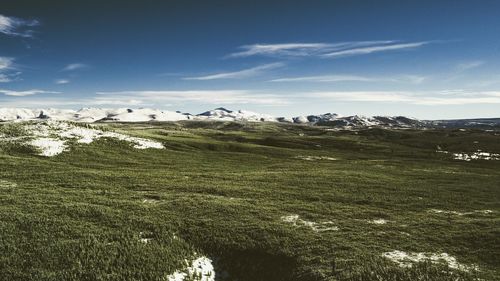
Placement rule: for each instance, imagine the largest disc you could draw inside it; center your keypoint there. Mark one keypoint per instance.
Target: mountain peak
(223, 109)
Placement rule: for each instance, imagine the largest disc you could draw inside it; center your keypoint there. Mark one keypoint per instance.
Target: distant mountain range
(91, 115)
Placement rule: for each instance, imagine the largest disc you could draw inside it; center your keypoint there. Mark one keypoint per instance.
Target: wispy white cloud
(74, 66)
(9, 77)
(326, 78)
(250, 97)
(413, 79)
(25, 93)
(196, 96)
(289, 49)
(464, 66)
(364, 96)
(239, 74)
(6, 63)
(325, 50)
(62, 81)
(459, 72)
(450, 97)
(4, 78)
(32, 102)
(8, 71)
(16, 26)
(373, 49)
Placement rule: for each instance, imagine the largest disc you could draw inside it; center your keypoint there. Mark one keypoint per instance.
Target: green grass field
(222, 189)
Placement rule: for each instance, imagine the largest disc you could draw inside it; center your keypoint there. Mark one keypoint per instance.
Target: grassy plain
(221, 189)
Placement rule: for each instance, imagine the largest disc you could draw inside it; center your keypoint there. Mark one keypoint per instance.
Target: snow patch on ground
(437, 211)
(404, 259)
(201, 269)
(50, 137)
(295, 220)
(139, 143)
(378, 221)
(49, 146)
(150, 201)
(315, 158)
(478, 155)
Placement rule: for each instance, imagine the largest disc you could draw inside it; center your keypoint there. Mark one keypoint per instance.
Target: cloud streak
(245, 73)
(6, 68)
(62, 81)
(373, 49)
(74, 66)
(4, 78)
(13, 26)
(6, 63)
(9, 77)
(326, 78)
(161, 98)
(324, 50)
(25, 93)
(414, 79)
(217, 97)
(288, 49)
(464, 66)
(455, 97)
(65, 102)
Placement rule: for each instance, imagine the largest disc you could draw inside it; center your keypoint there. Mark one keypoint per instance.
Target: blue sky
(426, 59)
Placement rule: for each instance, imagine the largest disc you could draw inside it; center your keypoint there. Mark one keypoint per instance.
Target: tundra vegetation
(261, 201)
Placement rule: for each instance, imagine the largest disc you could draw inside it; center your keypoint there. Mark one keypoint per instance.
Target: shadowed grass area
(221, 189)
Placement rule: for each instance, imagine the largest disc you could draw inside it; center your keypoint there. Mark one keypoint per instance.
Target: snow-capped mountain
(316, 118)
(223, 114)
(90, 115)
(145, 115)
(7, 114)
(129, 115)
(374, 121)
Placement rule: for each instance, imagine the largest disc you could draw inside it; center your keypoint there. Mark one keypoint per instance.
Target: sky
(417, 58)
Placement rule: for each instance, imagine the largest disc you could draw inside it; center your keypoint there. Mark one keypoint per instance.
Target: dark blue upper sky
(429, 59)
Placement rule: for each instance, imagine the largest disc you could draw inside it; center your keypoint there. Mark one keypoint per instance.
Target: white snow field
(51, 137)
